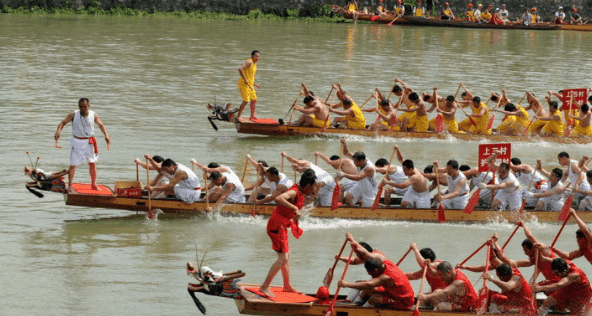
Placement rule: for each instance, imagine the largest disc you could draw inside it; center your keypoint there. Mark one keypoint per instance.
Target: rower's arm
(344, 112)
(346, 151)
(583, 227)
(366, 173)
(567, 255)
(279, 189)
(258, 183)
(332, 163)
(225, 193)
(290, 158)
(398, 153)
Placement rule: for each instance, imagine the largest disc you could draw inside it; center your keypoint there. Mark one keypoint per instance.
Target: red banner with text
(579, 96)
(486, 150)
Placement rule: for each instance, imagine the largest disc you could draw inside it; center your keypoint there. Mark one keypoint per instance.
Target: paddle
(484, 292)
(293, 104)
(441, 213)
(458, 89)
(536, 271)
(405, 255)
(366, 101)
(562, 227)
(330, 311)
(244, 170)
(439, 124)
(199, 305)
(423, 278)
(381, 187)
(329, 276)
(471, 255)
(335, 197)
(138, 172)
(492, 118)
(36, 193)
(391, 22)
(533, 118)
(470, 118)
(328, 116)
(564, 215)
(390, 93)
(511, 235)
(150, 214)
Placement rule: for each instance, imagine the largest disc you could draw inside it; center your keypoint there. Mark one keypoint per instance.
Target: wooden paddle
(474, 199)
(405, 255)
(536, 271)
(470, 118)
(441, 213)
(484, 292)
(390, 93)
(138, 173)
(335, 197)
(293, 104)
(562, 227)
(150, 214)
(328, 116)
(512, 235)
(331, 312)
(492, 118)
(366, 101)
(423, 278)
(533, 118)
(244, 170)
(391, 22)
(474, 252)
(329, 276)
(381, 186)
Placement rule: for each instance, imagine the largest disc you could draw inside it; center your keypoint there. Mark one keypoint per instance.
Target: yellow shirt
(418, 12)
(357, 119)
(249, 74)
(483, 120)
(447, 11)
(522, 120)
(485, 16)
(535, 18)
(555, 127)
(351, 7)
(469, 15)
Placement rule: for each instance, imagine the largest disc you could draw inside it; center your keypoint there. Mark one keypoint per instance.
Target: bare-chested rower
(417, 195)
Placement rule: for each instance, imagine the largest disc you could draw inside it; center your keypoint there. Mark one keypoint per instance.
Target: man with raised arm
(515, 121)
(395, 174)
(225, 188)
(155, 163)
(583, 239)
(386, 114)
(286, 215)
(325, 183)
(539, 111)
(553, 123)
(508, 193)
(246, 84)
(426, 256)
(551, 198)
(417, 194)
(420, 123)
(278, 184)
(458, 295)
(525, 173)
(184, 183)
(365, 188)
(574, 175)
(314, 113)
(83, 144)
(448, 111)
(342, 164)
(474, 176)
(457, 194)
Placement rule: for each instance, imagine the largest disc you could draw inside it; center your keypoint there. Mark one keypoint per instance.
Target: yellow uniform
(418, 11)
(357, 120)
(451, 125)
(486, 16)
(448, 12)
(514, 124)
(351, 7)
(320, 123)
(469, 15)
(421, 123)
(248, 91)
(399, 9)
(580, 131)
(382, 122)
(554, 127)
(535, 18)
(480, 121)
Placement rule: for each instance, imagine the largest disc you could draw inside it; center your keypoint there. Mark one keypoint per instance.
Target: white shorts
(186, 195)
(81, 149)
(326, 194)
(510, 201)
(586, 204)
(552, 204)
(235, 198)
(485, 197)
(418, 200)
(457, 203)
(363, 194)
(348, 184)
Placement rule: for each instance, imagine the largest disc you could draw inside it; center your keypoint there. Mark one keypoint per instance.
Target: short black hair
(589, 173)
(263, 163)
(157, 158)
(584, 108)
(563, 154)
(413, 96)
(559, 265)
(557, 172)
(372, 264)
(427, 97)
(494, 98)
(554, 104)
(527, 243)
(408, 163)
(384, 102)
(83, 100)
(273, 170)
(464, 168)
(347, 102)
(215, 175)
(307, 99)
(255, 52)
(504, 166)
(334, 157)
(308, 177)
(213, 165)
(580, 234)
(381, 162)
(452, 163)
(510, 107)
(450, 98)
(428, 253)
(444, 266)
(464, 94)
(168, 162)
(476, 100)
(516, 161)
(397, 88)
(359, 156)
(504, 269)
(428, 169)
(366, 246)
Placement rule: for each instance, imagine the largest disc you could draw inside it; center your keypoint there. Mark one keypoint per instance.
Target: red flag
(335, 199)
(440, 124)
(377, 199)
(441, 214)
(565, 210)
(473, 201)
(490, 124)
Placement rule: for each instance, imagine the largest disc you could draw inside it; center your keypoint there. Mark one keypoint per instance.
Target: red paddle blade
(490, 124)
(377, 199)
(441, 214)
(565, 210)
(473, 201)
(415, 312)
(439, 124)
(374, 18)
(150, 214)
(253, 211)
(483, 301)
(335, 199)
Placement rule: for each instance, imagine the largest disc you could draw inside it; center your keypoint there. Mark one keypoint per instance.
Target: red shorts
(567, 299)
(279, 239)
(512, 304)
(396, 303)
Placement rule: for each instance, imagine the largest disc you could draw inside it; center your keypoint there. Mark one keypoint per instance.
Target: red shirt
(470, 300)
(282, 216)
(435, 282)
(402, 289)
(545, 268)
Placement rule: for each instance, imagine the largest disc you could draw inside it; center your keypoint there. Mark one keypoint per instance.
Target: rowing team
(566, 286)
(506, 188)
(516, 121)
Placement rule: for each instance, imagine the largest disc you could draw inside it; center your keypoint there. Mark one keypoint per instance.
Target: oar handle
(560, 230)
(471, 255)
(423, 278)
(403, 258)
(342, 277)
(509, 238)
(339, 255)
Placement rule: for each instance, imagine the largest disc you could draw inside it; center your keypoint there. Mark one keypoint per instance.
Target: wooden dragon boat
(577, 27)
(385, 19)
(107, 198)
(469, 24)
(273, 128)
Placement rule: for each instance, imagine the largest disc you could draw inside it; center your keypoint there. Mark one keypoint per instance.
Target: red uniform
(576, 295)
(469, 301)
(400, 296)
(545, 269)
(516, 301)
(435, 282)
(586, 252)
(281, 220)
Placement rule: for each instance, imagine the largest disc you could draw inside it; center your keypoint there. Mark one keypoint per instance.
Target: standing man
(246, 84)
(83, 144)
(286, 214)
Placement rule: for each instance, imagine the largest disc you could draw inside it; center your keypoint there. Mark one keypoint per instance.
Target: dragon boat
(123, 199)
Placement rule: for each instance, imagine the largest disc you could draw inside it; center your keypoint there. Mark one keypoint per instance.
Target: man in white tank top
(278, 184)
(457, 194)
(343, 164)
(551, 199)
(524, 174)
(576, 176)
(231, 189)
(366, 186)
(83, 144)
(395, 174)
(508, 195)
(586, 203)
(155, 163)
(184, 183)
(475, 177)
(325, 183)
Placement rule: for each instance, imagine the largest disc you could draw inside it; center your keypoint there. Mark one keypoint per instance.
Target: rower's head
(408, 167)
(504, 272)
(560, 267)
(359, 159)
(470, 5)
(503, 170)
(528, 248)
(465, 96)
(581, 239)
(157, 159)
(308, 181)
(589, 176)
(374, 267)
(213, 165)
(515, 164)
(428, 253)
(584, 108)
(555, 176)
(414, 97)
(382, 162)
(334, 157)
(476, 101)
(452, 167)
(427, 97)
(217, 178)
(398, 91)
(563, 158)
(83, 106)
(308, 100)
(366, 246)
(446, 271)
(255, 56)
(263, 163)
(553, 106)
(169, 166)
(450, 99)
(510, 107)
(385, 103)
(347, 103)
(273, 174)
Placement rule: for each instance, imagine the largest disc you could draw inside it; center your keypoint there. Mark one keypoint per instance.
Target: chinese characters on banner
(579, 97)
(486, 150)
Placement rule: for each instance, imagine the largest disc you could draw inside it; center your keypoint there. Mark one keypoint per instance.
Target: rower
(278, 183)
(353, 117)
(432, 98)
(184, 183)
(407, 118)
(539, 112)
(586, 203)
(315, 113)
(457, 194)
(524, 174)
(448, 111)
(430, 174)
(395, 174)
(225, 188)
(324, 181)
(387, 115)
(426, 256)
(475, 177)
(155, 163)
(515, 121)
(420, 122)
(458, 295)
(417, 194)
(480, 116)
(582, 128)
(399, 9)
(343, 164)
(583, 240)
(554, 123)
(419, 10)
(551, 198)
(516, 295)
(575, 175)
(508, 194)
(365, 188)
(447, 13)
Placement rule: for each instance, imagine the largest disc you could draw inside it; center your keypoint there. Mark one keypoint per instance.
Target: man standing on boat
(246, 84)
(459, 294)
(286, 214)
(83, 144)
(184, 183)
(366, 186)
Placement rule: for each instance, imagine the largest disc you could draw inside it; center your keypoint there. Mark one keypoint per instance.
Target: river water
(149, 80)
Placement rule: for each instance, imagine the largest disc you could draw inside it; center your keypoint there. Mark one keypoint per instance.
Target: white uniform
(186, 189)
(418, 200)
(365, 190)
(326, 192)
(83, 128)
(284, 180)
(573, 178)
(238, 194)
(510, 197)
(554, 202)
(398, 176)
(538, 185)
(460, 201)
(485, 196)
